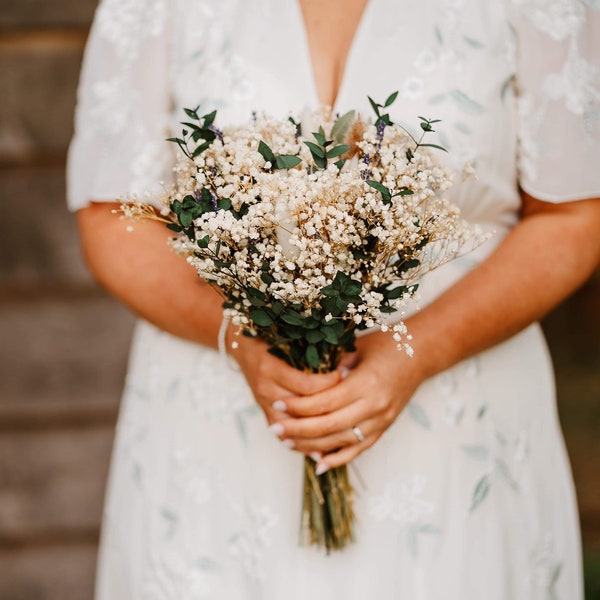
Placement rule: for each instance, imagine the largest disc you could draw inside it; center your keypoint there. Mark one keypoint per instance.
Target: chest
(330, 29)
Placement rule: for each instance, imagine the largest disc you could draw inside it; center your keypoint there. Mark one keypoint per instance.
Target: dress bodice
(512, 81)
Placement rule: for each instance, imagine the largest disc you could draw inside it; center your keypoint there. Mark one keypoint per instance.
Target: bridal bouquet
(311, 234)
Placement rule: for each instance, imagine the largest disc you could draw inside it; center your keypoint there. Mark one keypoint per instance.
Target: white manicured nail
(279, 405)
(345, 371)
(321, 468)
(316, 456)
(289, 443)
(277, 429)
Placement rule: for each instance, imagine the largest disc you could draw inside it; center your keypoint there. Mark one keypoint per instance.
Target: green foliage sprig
(199, 128)
(322, 152)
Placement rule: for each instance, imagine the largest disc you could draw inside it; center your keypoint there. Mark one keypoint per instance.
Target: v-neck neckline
(352, 50)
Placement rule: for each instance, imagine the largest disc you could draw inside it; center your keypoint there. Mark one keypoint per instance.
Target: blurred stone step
(52, 485)
(48, 573)
(42, 13)
(68, 348)
(38, 79)
(40, 243)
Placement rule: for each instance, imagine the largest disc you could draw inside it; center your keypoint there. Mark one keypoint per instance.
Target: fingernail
(289, 443)
(345, 371)
(279, 405)
(321, 468)
(277, 429)
(316, 456)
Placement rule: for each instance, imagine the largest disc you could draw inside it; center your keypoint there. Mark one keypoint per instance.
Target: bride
(467, 490)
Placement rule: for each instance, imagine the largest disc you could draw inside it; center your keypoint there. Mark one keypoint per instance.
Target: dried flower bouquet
(311, 234)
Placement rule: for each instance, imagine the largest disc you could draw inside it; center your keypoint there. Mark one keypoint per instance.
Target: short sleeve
(558, 98)
(123, 105)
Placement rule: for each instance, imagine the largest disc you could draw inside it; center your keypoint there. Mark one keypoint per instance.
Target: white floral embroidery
(217, 407)
(111, 108)
(521, 446)
(127, 23)
(575, 83)
(544, 568)
(453, 411)
(426, 61)
(192, 478)
(174, 576)
(250, 546)
(446, 382)
(413, 88)
(401, 501)
(557, 18)
(143, 167)
(528, 150)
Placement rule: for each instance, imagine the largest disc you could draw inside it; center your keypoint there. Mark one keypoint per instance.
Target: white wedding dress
(469, 494)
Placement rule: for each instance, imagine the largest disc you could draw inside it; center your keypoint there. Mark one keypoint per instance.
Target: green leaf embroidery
(504, 472)
(417, 413)
(465, 103)
(473, 42)
(477, 451)
(480, 492)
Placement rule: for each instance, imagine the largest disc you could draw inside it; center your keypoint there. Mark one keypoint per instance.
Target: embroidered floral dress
(469, 494)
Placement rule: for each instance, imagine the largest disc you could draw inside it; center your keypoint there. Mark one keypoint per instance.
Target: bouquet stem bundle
(327, 512)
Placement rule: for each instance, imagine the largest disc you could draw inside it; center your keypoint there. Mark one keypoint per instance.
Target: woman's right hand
(272, 380)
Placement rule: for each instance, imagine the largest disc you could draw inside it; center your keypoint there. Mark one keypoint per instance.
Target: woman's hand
(273, 381)
(379, 385)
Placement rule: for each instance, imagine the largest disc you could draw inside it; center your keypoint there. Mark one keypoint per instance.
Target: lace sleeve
(122, 115)
(558, 98)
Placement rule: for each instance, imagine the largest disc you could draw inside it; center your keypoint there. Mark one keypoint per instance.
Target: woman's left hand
(380, 382)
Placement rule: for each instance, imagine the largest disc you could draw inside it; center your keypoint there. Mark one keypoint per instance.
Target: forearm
(139, 269)
(548, 255)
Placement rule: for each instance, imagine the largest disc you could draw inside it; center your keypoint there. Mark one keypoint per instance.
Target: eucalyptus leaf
(338, 151)
(374, 105)
(320, 137)
(395, 293)
(314, 336)
(266, 152)
(391, 99)
(433, 146)
(287, 161)
(292, 318)
(261, 318)
(185, 218)
(342, 125)
(312, 356)
(315, 150)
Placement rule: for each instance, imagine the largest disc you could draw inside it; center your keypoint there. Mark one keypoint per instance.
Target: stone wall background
(64, 342)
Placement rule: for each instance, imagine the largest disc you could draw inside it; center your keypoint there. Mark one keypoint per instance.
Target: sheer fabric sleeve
(558, 98)
(122, 114)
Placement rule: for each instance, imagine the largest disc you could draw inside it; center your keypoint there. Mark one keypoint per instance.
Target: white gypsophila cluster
(306, 224)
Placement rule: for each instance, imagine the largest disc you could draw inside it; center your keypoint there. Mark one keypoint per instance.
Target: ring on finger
(358, 434)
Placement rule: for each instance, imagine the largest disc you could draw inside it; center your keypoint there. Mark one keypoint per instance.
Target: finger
(298, 382)
(329, 424)
(349, 360)
(322, 403)
(261, 367)
(334, 442)
(345, 455)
